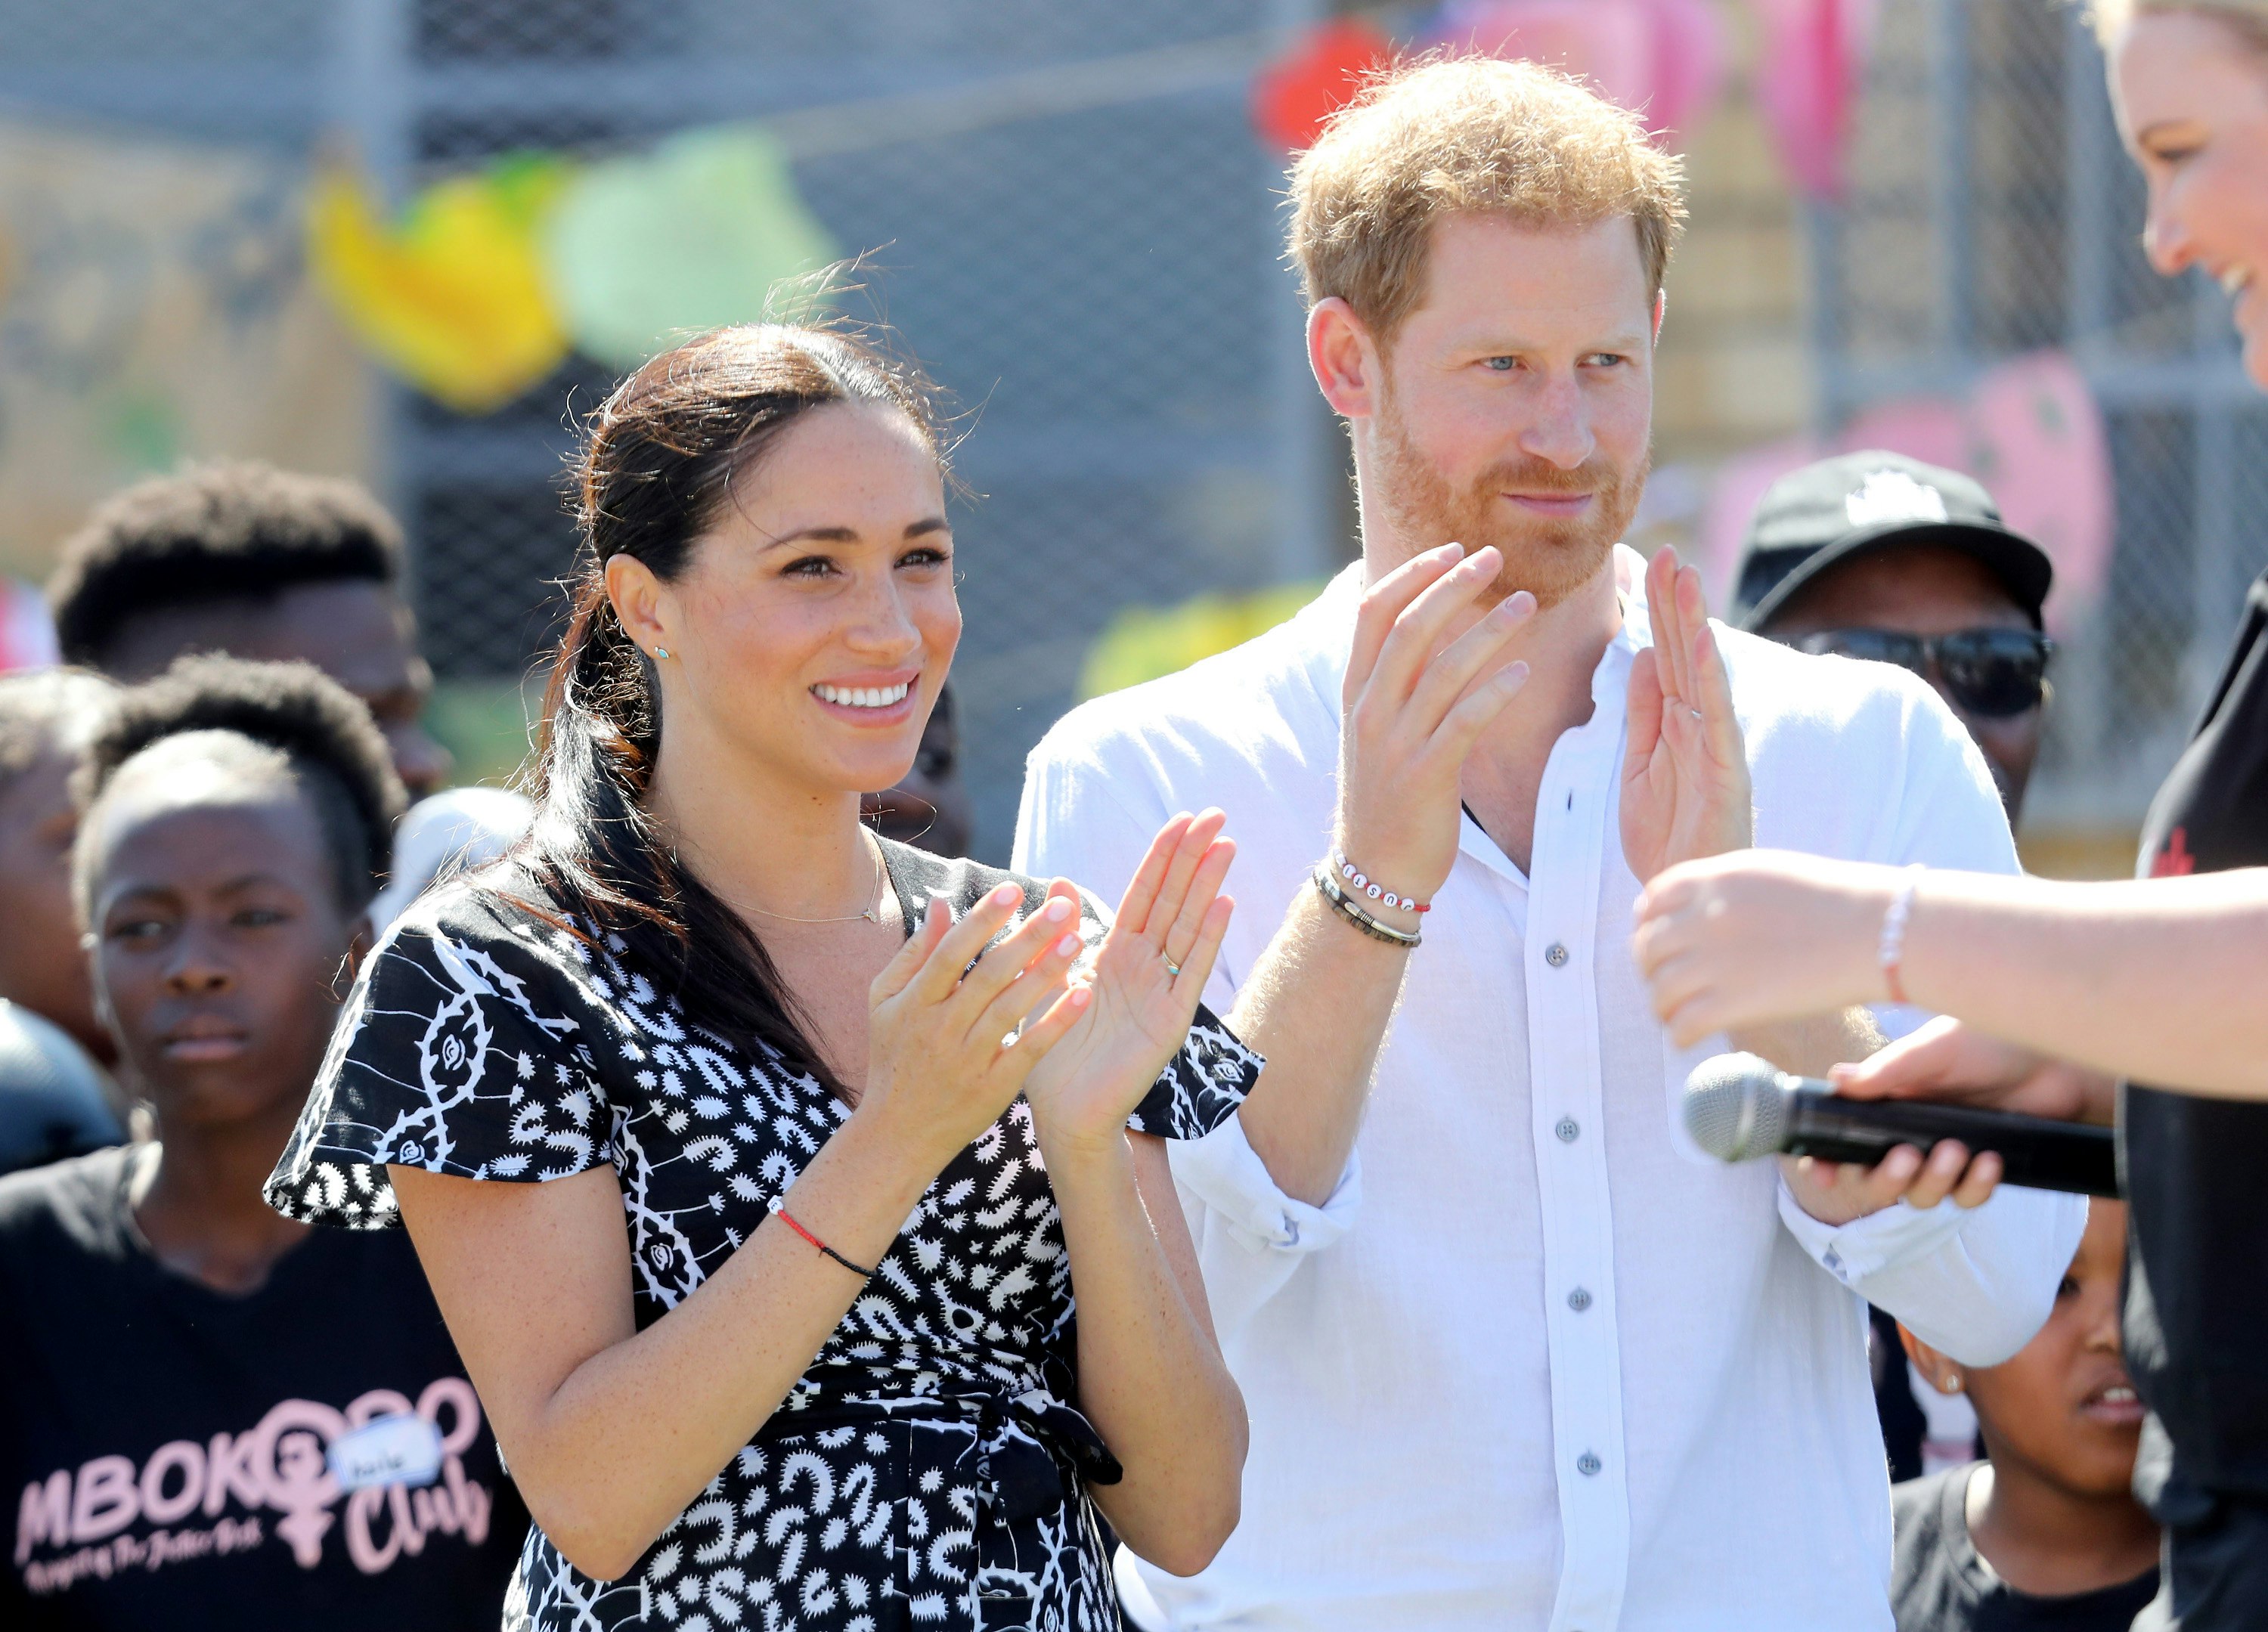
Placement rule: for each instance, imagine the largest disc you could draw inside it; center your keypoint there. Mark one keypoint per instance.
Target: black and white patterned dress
(928, 1470)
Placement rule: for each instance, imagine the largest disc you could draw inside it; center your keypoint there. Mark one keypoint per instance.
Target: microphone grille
(1734, 1108)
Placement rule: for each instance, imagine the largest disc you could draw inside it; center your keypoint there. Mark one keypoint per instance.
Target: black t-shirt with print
(1940, 1583)
(172, 1456)
(2196, 1305)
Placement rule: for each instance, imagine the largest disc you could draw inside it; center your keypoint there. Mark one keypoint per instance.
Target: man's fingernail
(1066, 947)
(1058, 909)
(1007, 895)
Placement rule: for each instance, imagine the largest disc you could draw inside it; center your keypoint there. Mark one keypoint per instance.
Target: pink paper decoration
(1934, 430)
(1808, 80)
(2029, 431)
(2041, 451)
(1662, 59)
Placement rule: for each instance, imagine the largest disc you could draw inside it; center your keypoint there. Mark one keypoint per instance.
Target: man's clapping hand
(1685, 770)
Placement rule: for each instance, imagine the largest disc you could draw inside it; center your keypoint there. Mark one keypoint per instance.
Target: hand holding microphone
(1738, 1106)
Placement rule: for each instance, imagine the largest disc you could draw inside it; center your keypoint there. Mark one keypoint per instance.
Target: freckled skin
(1926, 589)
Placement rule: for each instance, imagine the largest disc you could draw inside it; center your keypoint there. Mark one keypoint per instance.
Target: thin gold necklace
(873, 901)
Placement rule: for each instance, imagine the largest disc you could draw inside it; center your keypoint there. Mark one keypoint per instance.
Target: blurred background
(413, 240)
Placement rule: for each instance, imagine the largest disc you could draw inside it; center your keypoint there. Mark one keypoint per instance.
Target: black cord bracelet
(1344, 905)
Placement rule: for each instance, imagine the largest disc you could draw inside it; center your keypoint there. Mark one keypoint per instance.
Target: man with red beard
(1515, 1355)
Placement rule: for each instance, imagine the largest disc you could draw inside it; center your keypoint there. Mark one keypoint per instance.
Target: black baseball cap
(1813, 519)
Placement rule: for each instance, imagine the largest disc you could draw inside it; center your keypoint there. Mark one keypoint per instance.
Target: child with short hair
(2047, 1534)
(211, 1416)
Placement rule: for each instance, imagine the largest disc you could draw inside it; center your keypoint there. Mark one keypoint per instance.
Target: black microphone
(1738, 1106)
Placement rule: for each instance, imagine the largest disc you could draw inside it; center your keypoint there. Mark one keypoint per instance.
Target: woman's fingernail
(1067, 947)
(1058, 909)
(1007, 895)
(1081, 995)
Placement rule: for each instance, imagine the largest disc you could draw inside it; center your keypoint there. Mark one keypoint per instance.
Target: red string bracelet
(788, 1218)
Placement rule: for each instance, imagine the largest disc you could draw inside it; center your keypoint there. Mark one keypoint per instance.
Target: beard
(1549, 559)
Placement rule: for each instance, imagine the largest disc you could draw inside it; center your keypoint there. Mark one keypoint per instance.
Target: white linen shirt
(1538, 1362)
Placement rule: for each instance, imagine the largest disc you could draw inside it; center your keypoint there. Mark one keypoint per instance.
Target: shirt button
(1587, 1464)
(1568, 1128)
(1578, 1300)
(1556, 955)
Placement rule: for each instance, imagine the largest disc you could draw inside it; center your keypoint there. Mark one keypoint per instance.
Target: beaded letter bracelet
(1358, 885)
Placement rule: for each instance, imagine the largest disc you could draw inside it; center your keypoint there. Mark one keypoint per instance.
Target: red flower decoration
(1293, 97)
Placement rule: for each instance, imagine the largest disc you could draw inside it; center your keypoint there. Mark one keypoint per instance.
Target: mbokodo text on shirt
(397, 1466)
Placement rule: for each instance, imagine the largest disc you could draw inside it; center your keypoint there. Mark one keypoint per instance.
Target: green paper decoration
(693, 236)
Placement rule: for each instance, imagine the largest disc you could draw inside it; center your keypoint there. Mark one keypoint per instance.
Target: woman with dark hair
(855, 1281)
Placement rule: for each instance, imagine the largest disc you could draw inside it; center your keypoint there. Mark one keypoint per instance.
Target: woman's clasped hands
(967, 1015)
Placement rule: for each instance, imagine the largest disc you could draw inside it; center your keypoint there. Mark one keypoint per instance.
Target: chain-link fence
(1071, 226)
(1993, 213)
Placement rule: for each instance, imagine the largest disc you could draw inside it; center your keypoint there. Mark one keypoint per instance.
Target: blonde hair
(2247, 19)
(1451, 134)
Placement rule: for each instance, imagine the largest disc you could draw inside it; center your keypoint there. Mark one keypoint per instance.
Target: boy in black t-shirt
(210, 1417)
(2048, 1533)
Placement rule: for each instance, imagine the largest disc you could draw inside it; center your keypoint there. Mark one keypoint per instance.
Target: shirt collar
(1326, 630)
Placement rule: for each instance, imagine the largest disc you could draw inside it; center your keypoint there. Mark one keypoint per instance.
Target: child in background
(210, 1417)
(2047, 1534)
(56, 1097)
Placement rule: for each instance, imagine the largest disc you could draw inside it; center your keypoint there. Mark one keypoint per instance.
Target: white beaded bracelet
(1364, 886)
(1890, 951)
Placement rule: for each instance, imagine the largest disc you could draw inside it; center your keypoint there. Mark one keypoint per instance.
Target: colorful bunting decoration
(454, 294)
(694, 235)
(1296, 94)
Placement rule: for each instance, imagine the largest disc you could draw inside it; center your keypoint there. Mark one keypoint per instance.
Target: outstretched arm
(2157, 979)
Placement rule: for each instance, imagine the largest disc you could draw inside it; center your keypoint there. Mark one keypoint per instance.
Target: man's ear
(1346, 360)
(1660, 311)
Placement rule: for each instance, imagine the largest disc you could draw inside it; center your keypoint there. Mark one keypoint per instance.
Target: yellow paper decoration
(454, 297)
(1143, 642)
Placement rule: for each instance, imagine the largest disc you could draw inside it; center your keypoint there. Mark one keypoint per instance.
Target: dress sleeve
(1202, 1084)
(460, 1051)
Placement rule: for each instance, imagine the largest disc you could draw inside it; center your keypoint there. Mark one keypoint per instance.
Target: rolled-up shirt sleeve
(1974, 1283)
(1250, 1236)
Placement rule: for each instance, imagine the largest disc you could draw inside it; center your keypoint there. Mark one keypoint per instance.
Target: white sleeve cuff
(1866, 1247)
(1223, 1172)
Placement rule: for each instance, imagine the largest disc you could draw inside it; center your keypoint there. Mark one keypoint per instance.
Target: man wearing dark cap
(1877, 556)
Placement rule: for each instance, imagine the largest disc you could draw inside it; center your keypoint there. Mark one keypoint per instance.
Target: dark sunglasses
(1993, 673)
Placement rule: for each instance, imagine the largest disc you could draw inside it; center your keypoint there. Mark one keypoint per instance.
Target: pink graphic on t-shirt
(280, 1464)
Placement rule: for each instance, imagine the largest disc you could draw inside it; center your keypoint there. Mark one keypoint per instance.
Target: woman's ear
(642, 603)
(1944, 1375)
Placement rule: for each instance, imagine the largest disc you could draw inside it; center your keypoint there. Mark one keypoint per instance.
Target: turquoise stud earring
(661, 651)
